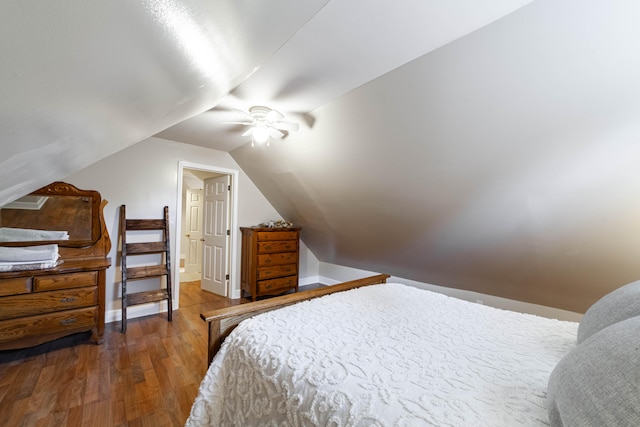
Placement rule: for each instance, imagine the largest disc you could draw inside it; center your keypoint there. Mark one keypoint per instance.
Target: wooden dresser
(270, 258)
(37, 306)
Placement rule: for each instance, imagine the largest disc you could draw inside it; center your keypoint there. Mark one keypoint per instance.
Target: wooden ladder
(161, 269)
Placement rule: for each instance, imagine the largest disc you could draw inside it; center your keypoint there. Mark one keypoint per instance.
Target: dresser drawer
(277, 235)
(47, 302)
(277, 246)
(277, 285)
(65, 281)
(277, 259)
(276, 271)
(32, 326)
(21, 285)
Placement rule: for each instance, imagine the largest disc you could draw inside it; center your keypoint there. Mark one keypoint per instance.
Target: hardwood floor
(146, 377)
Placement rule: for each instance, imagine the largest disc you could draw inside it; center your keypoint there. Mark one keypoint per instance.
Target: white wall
(309, 267)
(144, 178)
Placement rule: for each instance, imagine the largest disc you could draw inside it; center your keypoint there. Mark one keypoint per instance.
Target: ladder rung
(145, 248)
(145, 224)
(146, 271)
(147, 296)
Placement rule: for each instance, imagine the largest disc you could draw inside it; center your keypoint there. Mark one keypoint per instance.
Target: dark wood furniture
(159, 269)
(222, 321)
(37, 306)
(270, 258)
(66, 208)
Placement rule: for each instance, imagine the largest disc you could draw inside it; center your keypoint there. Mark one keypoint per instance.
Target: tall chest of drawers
(270, 259)
(41, 305)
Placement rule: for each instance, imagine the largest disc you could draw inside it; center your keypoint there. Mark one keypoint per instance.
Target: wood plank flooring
(146, 377)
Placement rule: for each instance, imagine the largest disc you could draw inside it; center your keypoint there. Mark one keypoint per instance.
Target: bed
(379, 354)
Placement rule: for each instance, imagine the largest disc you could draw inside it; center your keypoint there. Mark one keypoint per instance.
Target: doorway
(205, 223)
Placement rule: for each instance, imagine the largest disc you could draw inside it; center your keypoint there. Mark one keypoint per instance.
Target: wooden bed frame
(221, 322)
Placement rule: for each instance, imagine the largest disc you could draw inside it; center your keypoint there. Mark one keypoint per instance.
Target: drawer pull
(68, 299)
(66, 322)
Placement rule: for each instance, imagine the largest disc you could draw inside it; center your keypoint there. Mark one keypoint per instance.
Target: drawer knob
(68, 299)
(66, 322)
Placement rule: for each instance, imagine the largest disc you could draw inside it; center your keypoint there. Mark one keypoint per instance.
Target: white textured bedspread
(384, 355)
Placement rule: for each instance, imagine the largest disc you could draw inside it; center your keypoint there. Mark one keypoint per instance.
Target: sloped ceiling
(488, 146)
(346, 44)
(83, 79)
(505, 162)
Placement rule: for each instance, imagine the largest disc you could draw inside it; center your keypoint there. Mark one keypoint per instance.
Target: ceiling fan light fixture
(264, 124)
(260, 134)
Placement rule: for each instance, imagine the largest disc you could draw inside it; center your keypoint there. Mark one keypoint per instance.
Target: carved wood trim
(96, 230)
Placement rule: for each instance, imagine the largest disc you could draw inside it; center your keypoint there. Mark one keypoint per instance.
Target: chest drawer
(277, 246)
(33, 326)
(277, 259)
(277, 235)
(47, 302)
(65, 281)
(277, 285)
(276, 271)
(20, 285)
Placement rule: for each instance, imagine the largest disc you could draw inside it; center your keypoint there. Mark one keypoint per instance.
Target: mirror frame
(59, 188)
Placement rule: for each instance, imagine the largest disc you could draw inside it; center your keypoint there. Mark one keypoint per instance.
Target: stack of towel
(10, 234)
(28, 257)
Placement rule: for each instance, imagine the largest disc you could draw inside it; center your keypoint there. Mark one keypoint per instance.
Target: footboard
(221, 322)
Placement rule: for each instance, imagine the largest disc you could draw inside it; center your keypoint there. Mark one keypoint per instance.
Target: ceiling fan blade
(288, 126)
(274, 116)
(237, 123)
(248, 132)
(275, 133)
(244, 113)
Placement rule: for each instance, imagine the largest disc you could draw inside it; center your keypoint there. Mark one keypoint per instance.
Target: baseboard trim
(137, 311)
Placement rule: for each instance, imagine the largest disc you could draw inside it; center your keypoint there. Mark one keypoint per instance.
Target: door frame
(234, 275)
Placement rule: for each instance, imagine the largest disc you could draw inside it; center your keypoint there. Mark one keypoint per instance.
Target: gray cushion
(598, 382)
(614, 307)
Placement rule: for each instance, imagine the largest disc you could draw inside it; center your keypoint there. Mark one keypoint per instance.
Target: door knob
(188, 235)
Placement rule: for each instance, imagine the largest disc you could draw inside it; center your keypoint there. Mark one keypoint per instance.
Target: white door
(215, 234)
(193, 231)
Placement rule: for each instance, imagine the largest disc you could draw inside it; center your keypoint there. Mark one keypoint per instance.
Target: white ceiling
(82, 80)
(345, 45)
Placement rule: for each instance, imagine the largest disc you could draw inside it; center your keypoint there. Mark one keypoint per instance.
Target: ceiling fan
(264, 123)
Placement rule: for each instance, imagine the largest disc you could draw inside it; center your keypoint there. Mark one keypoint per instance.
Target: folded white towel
(10, 234)
(28, 266)
(28, 254)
